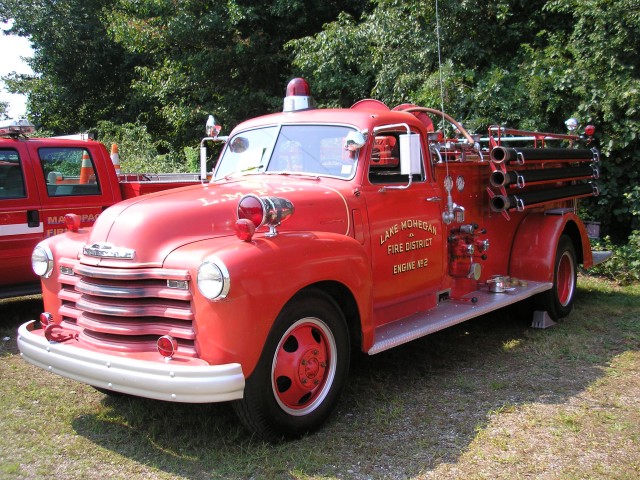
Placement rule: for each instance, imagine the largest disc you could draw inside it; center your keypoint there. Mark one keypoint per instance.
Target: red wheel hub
(565, 279)
(300, 366)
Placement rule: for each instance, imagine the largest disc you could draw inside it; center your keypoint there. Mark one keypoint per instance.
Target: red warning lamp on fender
(258, 211)
(298, 96)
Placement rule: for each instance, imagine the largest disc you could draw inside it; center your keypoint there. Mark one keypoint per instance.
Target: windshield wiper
(293, 174)
(242, 171)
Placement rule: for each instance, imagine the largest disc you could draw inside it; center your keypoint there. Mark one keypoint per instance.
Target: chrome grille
(126, 310)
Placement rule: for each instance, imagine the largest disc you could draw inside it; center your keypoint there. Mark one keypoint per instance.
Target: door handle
(433, 199)
(33, 218)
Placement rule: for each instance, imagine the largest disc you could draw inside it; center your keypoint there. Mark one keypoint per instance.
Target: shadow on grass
(403, 411)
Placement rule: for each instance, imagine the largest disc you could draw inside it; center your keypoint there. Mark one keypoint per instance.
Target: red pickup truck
(41, 180)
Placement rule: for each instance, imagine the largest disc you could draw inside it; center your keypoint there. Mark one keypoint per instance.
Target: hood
(152, 226)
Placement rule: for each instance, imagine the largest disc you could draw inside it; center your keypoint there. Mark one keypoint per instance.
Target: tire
(558, 301)
(301, 372)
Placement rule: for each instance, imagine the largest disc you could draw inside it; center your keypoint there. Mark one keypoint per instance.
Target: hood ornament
(108, 250)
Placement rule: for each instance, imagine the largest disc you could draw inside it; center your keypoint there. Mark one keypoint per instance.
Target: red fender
(534, 248)
(264, 275)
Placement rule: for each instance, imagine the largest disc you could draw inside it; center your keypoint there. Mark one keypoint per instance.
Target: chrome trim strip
(131, 273)
(111, 291)
(126, 310)
(20, 229)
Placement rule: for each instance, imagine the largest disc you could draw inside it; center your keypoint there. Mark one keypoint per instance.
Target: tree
(81, 75)
(205, 58)
(522, 64)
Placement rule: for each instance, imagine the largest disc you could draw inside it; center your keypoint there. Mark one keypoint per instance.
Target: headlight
(42, 260)
(213, 279)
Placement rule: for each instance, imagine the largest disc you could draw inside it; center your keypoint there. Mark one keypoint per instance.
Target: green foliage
(624, 265)
(165, 65)
(138, 151)
(203, 57)
(529, 65)
(81, 75)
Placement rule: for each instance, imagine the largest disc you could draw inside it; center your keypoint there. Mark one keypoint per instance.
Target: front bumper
(158, 380)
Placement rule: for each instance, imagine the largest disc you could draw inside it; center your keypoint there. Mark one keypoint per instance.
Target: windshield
(289, 149)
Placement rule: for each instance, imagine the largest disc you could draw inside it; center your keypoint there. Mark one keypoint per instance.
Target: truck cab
(41, 180)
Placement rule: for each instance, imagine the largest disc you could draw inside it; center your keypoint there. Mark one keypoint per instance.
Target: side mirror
(410, 155)
(354, 141)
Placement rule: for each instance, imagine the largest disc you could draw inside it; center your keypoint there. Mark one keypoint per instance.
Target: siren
(298, 96)
(15, 128)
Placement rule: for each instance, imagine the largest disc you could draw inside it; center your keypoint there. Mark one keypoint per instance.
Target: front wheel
(302, 370)
(558, 301)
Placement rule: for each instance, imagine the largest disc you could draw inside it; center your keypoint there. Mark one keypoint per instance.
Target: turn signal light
(245, 229)
(167, 346)
(72, 222)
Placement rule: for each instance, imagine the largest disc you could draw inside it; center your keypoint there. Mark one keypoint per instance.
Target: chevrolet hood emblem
(108, 250)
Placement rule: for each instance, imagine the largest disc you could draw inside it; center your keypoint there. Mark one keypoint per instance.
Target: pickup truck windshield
(290, 149)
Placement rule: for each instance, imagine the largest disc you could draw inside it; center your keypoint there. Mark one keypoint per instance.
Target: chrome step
(448, 313)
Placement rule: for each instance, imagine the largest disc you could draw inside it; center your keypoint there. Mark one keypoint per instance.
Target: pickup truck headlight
(42, 260)
(213, 279)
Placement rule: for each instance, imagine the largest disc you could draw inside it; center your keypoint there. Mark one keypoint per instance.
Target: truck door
(21, 224)
(406, 230)
(71, 179)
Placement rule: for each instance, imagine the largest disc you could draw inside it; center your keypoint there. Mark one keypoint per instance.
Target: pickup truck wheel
(301, 372)
(558, 301)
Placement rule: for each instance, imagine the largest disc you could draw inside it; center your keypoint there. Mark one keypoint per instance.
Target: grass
(491, 398)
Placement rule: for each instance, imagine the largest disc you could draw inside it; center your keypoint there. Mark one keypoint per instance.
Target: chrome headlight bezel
(213, 279)
(42, 260)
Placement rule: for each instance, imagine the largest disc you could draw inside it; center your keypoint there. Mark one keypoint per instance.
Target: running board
(448, 313)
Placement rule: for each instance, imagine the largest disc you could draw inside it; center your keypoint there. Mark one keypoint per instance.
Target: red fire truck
(41, 180)
(321, 231)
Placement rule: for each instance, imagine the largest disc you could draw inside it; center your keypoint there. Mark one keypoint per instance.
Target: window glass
(68, 171)
(384, 167)
(299, 149)
(11, 179)
(313, 149)
(246, 152)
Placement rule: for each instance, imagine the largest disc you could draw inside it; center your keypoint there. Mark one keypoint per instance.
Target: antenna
(440, 65)
(449, 214)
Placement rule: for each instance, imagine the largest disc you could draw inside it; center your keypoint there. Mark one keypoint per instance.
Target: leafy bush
(139, 152)
(624, 264)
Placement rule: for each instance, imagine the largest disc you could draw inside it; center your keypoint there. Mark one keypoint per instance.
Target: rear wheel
(301, 372)
(558, 301)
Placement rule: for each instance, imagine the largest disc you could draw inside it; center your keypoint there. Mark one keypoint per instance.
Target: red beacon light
(589, 130)
(254, 212)
(298, 96)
